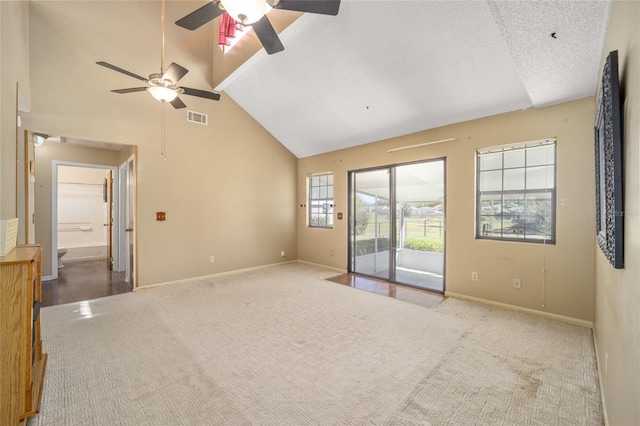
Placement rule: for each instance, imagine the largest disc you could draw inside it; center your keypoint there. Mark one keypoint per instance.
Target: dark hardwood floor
(78, 281)
(385, 288)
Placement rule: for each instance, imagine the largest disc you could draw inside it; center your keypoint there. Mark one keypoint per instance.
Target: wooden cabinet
(22, 363)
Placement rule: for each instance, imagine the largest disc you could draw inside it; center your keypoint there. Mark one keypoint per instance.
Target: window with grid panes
(516, 192)
(321, 200)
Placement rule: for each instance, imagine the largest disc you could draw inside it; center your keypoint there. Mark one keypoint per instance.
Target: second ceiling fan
(163, 85)
(253, 12)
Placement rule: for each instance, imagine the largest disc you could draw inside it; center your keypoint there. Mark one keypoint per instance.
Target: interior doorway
(83, 204)
(92, 218)
(397, 223)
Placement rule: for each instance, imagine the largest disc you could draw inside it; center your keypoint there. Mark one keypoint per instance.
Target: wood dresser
(22, 363)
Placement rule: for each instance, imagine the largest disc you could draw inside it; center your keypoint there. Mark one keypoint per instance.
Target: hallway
(79, 281)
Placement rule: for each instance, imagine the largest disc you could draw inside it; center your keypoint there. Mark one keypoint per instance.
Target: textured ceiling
(382, 69)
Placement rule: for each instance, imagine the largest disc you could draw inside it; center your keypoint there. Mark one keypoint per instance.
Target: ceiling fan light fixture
(163, 94)
(245, 11)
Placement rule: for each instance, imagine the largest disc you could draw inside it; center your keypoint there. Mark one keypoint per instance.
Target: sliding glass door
(370, 219)
(419, 223)
(397, 223)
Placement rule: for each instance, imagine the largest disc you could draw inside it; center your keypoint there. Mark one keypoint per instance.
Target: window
(321, 200)
(516, 192)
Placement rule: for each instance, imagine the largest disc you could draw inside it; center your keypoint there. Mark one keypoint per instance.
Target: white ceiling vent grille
(196, 117)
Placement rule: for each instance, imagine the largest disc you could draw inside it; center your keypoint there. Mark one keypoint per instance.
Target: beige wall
(14, 70)
(44, 157)
(228, 189)
(126, 152)
(231, 190)
(617, 326)
(568, 285)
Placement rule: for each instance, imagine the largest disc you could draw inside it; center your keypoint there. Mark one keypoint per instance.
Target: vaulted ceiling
(381, 69)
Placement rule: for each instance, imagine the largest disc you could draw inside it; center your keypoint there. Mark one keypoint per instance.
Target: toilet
(61, 252)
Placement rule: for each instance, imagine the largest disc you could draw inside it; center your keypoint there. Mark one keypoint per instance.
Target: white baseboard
(220, 274)
(342, 271)
(570, 320)
(237, 271)
(83, 259)
(600, 381)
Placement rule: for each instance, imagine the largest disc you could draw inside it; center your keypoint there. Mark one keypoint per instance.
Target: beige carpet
(281, 346)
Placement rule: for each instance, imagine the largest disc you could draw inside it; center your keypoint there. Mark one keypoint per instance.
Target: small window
(321, 200)
(516, 192)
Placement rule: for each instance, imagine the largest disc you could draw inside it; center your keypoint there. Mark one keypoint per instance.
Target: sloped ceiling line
(382, 69)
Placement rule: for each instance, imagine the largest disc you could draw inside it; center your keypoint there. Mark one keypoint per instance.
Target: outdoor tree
(361, 217)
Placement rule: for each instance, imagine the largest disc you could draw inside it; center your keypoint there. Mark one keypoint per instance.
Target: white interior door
(130, 219)
(122, 216)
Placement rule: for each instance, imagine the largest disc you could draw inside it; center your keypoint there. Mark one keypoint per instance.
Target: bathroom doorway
(85, 227)
(85, 198)
(83, 233)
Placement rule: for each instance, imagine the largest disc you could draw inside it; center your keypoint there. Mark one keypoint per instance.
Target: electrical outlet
(517, 283)
(282, 254)
(212, 259)
(474, 276)
(331, 253)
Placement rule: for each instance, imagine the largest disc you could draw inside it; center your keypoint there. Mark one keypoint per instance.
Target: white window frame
(525, 218)
(320, 200)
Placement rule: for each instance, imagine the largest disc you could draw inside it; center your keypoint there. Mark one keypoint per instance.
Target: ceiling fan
(253, 12)
(163, 85)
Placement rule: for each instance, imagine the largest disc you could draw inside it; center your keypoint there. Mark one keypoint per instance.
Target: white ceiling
(382, 68)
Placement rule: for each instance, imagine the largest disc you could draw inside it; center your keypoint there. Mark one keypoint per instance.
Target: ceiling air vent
(196, 117)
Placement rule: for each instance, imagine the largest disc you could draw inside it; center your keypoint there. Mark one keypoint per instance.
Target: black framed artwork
(609, 173)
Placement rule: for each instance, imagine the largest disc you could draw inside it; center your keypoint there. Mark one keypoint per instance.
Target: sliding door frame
(393, 237)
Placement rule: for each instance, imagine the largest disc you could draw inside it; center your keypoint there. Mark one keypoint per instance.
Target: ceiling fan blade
(177, 103)
(201, 16)
(267, 36)
(323, 7)
(113, 67)
(174, 73)
(131, 90)
(201, 93)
